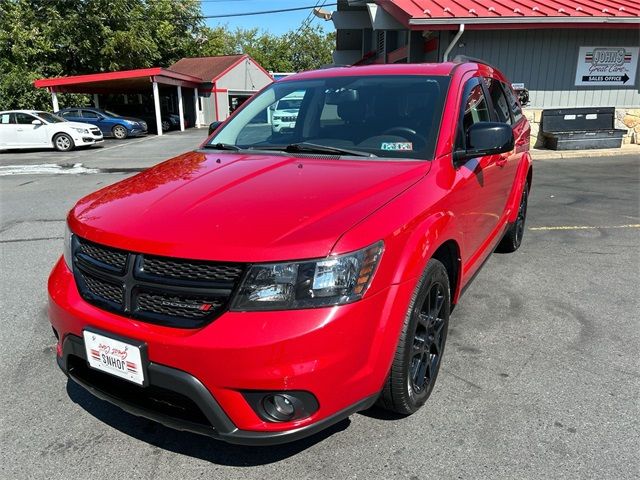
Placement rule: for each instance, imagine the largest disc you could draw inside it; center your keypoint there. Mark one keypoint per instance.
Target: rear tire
(512, 238)
(421, 345)
(165, 125)
(119, 132)
(63, 142)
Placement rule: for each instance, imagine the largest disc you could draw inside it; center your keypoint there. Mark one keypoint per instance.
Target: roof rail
(466, 59)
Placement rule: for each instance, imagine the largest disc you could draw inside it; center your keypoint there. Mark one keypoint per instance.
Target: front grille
(162, 290)
(184, 270)
(103, 290)
(177, 306)
(111, 257)
(95, 131)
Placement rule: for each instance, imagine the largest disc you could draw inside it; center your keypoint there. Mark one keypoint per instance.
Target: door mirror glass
(486, 138)
(36, 122)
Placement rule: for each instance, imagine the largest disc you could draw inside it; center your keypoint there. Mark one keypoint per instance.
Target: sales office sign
(607, 66)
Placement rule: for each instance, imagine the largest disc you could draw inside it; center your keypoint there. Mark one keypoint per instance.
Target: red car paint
(212, 206)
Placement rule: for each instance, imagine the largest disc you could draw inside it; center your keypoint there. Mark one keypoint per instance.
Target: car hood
(79, 125)
(131, 119)
(233, 207)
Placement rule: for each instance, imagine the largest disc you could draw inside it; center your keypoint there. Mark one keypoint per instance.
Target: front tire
(63, 142)
(421, 346)
(119, 132)
(513, 236)
(165, 125)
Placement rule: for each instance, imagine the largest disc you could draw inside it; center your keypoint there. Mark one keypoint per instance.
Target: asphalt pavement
(540, 378)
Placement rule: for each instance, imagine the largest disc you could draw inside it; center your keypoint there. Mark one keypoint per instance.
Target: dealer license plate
(115, 357)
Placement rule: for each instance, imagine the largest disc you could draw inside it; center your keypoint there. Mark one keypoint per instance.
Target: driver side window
(24, 118)
(474, 109)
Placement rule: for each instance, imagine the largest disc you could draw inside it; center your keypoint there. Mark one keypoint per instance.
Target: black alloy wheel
(421, 345)
(513, 236)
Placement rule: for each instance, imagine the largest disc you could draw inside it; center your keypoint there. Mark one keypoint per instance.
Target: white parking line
(45, 169)
(586, 227)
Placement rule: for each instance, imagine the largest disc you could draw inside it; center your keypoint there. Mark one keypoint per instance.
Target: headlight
(81, 130)
(334, 280)
(66, 252)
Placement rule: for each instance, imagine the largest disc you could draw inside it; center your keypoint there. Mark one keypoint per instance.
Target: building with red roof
(200, 90)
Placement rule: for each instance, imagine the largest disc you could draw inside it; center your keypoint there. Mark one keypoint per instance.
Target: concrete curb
(541, 154)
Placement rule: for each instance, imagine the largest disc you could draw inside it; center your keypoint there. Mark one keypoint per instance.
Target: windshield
(49, 117)
(111, 114)
(384, 116)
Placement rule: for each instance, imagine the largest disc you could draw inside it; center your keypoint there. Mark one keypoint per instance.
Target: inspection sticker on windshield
(395, 146)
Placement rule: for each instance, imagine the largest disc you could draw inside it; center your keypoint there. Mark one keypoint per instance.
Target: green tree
(47, 38)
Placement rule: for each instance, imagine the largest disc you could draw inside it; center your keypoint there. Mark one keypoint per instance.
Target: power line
(264, 12)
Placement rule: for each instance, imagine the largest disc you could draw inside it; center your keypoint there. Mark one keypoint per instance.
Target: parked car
(259, 291)
(285, 112)
(111, 124)
(36, 129)
(169, 121)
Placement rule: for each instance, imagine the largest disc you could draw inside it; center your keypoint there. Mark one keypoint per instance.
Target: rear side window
(6, 118)
(89, 114)
(514, 105)
(70, 113)
(499, 100)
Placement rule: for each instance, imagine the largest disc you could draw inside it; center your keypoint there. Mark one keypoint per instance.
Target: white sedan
(35, 129)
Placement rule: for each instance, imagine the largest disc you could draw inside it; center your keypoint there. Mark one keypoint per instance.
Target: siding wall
(545, 61)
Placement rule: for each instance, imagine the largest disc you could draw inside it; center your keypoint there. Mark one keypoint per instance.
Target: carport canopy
(126, 81)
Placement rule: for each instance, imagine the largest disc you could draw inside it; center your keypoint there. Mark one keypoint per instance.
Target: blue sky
(276, 23)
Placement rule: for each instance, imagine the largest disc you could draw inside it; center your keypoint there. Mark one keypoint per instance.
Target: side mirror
(213, 126)
(36, 122)
(486, 138)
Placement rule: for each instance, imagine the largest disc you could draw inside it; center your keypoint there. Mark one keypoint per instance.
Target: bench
(580, 128)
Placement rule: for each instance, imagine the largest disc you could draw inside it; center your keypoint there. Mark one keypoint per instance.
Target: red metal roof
(207, 68)
(125, 80)
(425, 13)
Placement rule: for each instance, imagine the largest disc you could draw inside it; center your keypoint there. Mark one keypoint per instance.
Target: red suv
(269, 284)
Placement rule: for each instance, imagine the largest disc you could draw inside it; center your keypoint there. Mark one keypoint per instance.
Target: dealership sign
(607, 66)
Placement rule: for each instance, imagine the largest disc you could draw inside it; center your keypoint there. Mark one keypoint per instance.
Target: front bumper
(339, 354)
(213, 422)
(85, 139)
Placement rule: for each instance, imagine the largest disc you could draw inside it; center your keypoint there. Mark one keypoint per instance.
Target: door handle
(20, 129)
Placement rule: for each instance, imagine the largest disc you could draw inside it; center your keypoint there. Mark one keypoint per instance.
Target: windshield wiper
(222, 146)
(308, 147)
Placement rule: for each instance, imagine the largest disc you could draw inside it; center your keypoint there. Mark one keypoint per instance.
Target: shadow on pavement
(191, 444)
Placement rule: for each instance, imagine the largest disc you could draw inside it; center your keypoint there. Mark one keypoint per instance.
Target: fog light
(280, 407)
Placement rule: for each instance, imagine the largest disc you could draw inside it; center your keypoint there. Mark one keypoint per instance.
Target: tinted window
(89, 114)
(70, 113)
(24, 118)
(499, 100)
(514, 105)
(475, 108)
(394, 116)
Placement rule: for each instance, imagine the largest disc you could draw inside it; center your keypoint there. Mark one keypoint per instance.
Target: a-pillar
(156, 103)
